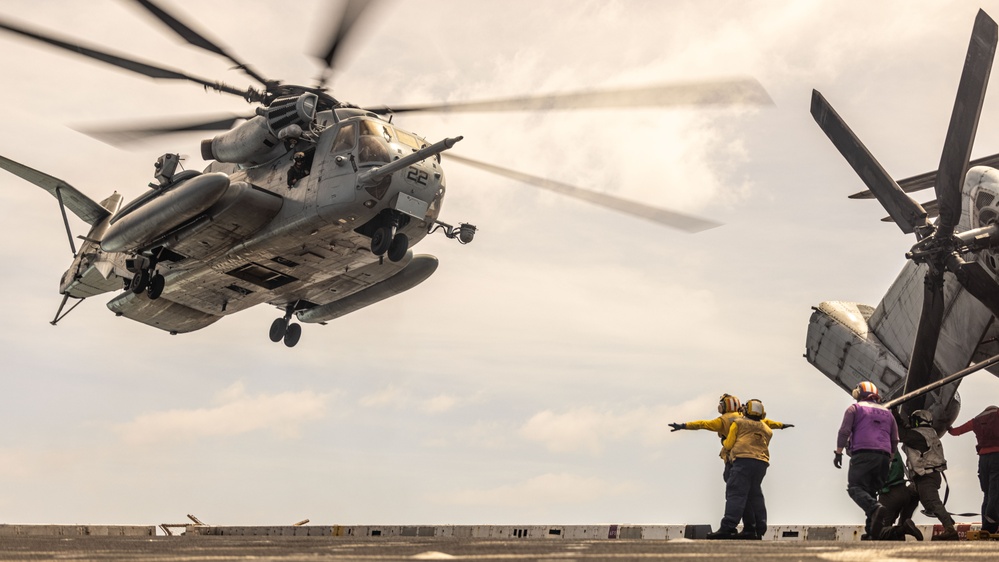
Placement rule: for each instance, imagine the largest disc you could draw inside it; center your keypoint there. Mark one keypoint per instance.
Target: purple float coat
(868, 426)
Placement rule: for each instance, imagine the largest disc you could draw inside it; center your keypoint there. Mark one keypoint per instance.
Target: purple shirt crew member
(870, 436)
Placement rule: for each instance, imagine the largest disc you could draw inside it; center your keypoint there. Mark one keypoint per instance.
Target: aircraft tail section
(93, 270)
(82, 206)
(841, 344)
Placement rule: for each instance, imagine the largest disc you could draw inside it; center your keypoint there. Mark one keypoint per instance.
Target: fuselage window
(373, 144)
(344, 140)
(408, 139)
(376, 129)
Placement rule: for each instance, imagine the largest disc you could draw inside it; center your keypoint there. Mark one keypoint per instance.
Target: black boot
(878, 517)
(910, 528)
(722, 533)
(949, 534)
(748, 535)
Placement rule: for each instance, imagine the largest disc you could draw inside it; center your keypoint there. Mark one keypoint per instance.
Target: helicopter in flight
(939, 316)
(311, 204)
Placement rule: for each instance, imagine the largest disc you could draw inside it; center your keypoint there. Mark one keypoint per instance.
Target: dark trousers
(901, 502)
(748, 517)
(744, 493)
(988, 477)
(867, 475)
(928, 486)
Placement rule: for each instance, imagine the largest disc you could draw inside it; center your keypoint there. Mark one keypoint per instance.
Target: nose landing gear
(283, 329)
(387, 239)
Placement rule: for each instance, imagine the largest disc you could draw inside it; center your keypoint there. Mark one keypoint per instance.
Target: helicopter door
(336, 185)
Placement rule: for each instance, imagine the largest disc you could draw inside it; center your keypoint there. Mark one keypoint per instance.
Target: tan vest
(726, 424)
(752, 440)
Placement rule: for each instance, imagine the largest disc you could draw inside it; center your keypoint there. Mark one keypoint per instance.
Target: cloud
(589, 430)
(236, 412)
(439, 404)
(546, 489)
(393, 396)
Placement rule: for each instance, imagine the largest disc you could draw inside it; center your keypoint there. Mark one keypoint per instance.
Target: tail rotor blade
(964, 122)
(907, 213)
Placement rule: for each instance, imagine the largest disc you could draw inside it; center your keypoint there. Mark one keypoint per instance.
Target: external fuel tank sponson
(175, 206)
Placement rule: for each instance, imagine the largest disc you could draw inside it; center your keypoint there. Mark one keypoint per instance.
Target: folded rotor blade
(929, 179)
(120, 136)
(906, 213)
(964, 122)
(725, 92)
(927, 334)
(122, 62)
(198, 40)
(930, 207)
(672, 219)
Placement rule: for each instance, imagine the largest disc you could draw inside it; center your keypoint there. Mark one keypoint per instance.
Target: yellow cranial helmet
(866, 390)
(728, 403)
(755, 409)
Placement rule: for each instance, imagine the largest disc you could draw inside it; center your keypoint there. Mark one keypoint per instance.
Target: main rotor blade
(353, 10)
(198, 40)
(929, 179)
(906, 213)
(146, 69)
(927, 334)
(722, 92)
(672, 219)
(119, 136)
(931, 208)
(964, 122)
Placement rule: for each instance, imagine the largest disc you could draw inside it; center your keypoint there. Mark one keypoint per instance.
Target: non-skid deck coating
(311, 548)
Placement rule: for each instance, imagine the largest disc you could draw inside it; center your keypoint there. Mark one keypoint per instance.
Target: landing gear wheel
(279, 327)
(156, 285)
(292, 335)
(398, 248)
(139, 282)
(381, 240)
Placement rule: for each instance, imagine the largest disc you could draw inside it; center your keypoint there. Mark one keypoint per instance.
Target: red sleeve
(963, 428)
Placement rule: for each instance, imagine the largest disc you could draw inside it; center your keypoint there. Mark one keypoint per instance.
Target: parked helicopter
(302, 201)
(939, 315)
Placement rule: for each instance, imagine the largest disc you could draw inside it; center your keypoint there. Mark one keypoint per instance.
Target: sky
(530, 380)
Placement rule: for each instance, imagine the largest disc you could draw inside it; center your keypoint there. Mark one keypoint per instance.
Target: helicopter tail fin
(82, 206)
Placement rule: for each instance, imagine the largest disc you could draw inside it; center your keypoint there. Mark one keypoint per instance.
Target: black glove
(786, 425)
(677, 426)
(838, 460)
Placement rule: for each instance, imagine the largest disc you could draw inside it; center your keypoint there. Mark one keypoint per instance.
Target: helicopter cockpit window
(373, 143)
(344, 140)
(408, 139)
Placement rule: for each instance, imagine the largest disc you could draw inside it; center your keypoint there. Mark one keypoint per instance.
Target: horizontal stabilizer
(81, 205)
